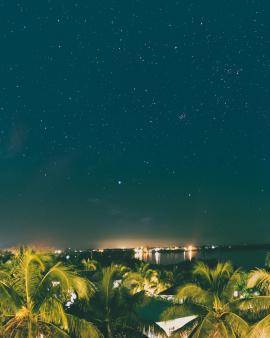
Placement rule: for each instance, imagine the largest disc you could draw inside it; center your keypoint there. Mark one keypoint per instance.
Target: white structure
(169, 326)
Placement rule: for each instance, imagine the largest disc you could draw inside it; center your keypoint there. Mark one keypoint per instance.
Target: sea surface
(244, 258)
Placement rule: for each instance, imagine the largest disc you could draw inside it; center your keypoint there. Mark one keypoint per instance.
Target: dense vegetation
(47, 295)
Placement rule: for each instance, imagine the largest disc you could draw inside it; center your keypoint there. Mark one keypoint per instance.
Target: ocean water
(246, 259)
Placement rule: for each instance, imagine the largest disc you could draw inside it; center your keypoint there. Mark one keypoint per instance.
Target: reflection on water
(188, 255)
(143, 256)
(165, 258)
(157, 257)
(240, 258)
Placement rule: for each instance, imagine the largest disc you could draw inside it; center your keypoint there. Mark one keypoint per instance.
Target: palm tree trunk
(29, 335)
(109, 331)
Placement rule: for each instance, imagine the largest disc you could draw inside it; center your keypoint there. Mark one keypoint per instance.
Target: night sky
(134, 122)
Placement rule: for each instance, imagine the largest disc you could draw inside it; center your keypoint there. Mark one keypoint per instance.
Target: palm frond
(107, 281)
(4, 275)
(53, 330)
(81, 328)
(68, 281)
(238, 325)
(202, 270)
(259, 278)
(27, 273)
(32, 301)
(52, 311)
(10, 300)
(231, 285)
(223, 269)
(90, 264)
(194, 293)
(253, 305)
(207, 327)
(261, 329)
(134, 281)
(221, 331)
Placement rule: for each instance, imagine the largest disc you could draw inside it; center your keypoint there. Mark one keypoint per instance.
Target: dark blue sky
(128, 122)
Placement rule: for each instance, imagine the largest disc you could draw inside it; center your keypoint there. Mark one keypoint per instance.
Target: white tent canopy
(169, 326)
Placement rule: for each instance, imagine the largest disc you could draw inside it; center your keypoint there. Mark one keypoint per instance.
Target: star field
(134, 121)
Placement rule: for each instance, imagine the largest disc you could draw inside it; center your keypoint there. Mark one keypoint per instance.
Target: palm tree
(113, 307)
(258, 306)
(210, 298)
(147, 279)
(90, 264)
(33, 292)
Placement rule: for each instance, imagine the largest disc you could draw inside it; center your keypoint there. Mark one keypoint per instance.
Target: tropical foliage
(45, 296)
(113, 308)
(210, 299)
(33, 293)
(147, 279)
(258, 307)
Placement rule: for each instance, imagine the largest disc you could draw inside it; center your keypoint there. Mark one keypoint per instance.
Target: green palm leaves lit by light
(40, 297)
(259, 306)
(113, 308)
(90, 265)
(33, 292)
(146, 279)
(211, 299)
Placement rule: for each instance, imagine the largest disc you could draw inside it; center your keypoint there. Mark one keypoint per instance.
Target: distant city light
(57, 252)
